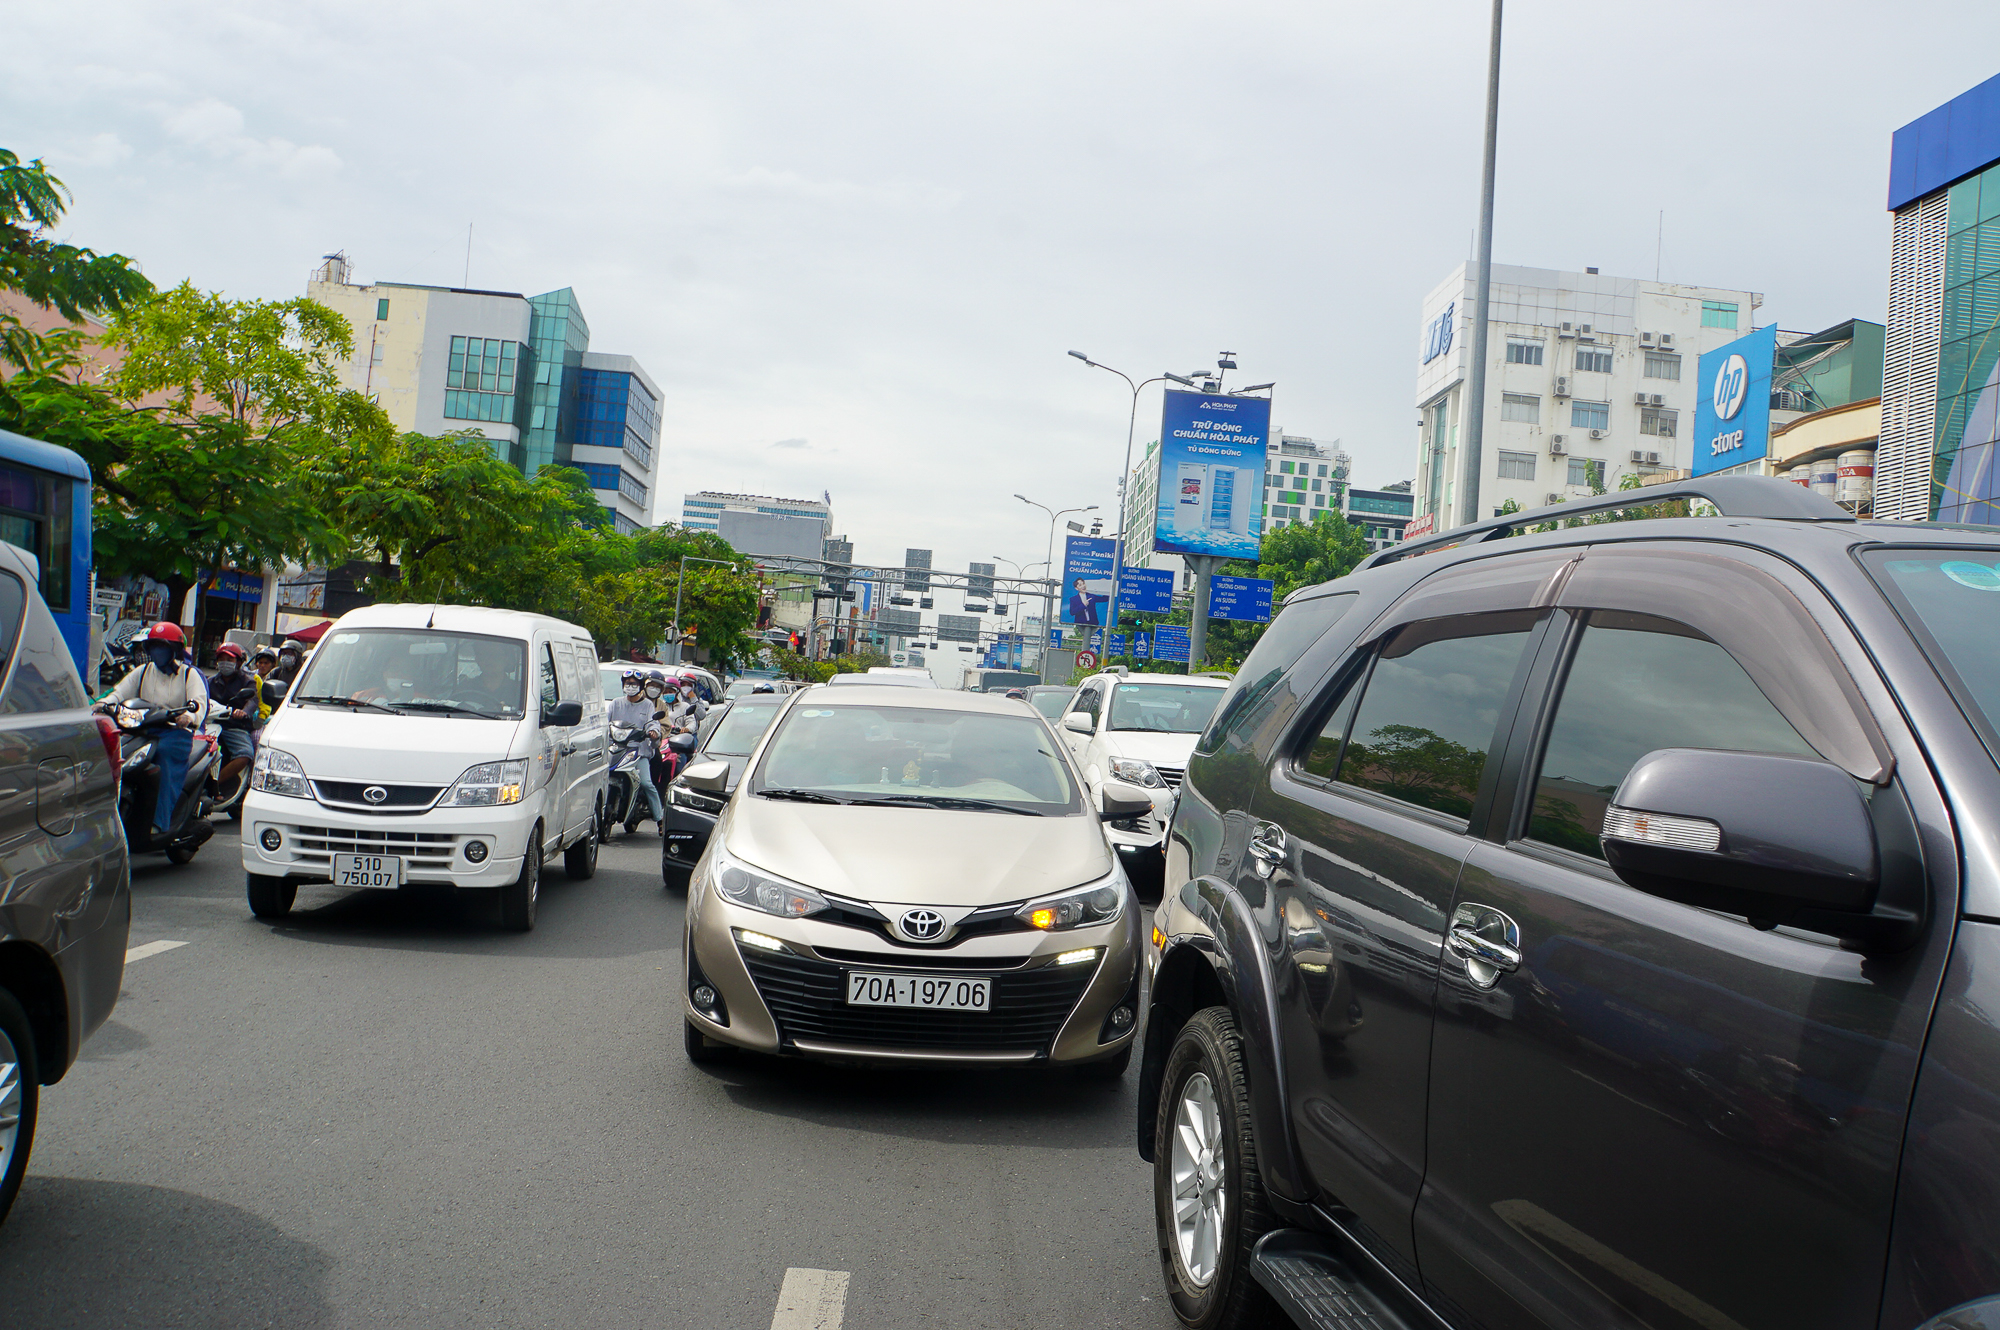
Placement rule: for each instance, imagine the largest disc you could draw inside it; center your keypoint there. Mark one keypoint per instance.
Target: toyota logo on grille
(375, 794)
(923, 925)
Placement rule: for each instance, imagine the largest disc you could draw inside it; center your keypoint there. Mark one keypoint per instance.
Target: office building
(1941, 373)
(1381, 514)
(517, 369)
(703, 511)
(1303, 480)
(1589, 378)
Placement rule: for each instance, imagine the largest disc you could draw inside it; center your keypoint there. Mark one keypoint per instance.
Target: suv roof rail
(1733, 496)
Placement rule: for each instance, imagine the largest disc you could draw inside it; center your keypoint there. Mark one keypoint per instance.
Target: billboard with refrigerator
(1211, 483)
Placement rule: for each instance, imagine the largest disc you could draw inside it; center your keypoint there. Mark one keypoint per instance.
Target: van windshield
(419, 671)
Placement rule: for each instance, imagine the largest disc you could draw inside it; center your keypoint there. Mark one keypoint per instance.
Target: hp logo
(1732, 385)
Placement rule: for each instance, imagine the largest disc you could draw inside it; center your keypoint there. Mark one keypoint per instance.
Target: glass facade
(481, 379)
(557, 339)
(1965, 485)
(614, 410)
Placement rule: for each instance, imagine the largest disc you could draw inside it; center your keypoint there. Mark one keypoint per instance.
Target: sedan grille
(807, 997)
(419, 849)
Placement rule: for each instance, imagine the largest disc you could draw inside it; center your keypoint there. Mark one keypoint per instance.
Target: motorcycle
(140, 725)
(628, 744)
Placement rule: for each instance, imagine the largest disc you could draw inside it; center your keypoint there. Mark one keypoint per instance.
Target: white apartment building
(1303, 479)
(702, 511)
(518, 369)
(1588, 378)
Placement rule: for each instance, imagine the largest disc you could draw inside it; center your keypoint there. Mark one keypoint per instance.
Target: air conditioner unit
(1583, 330)
(1645, 339)
(1567, 330)
(1666, 340)
(1659, 399)
(1638, 399)
(1556, 448)
(1652, 459)
(1597, 434)
(1555, 498)
(1562, 386)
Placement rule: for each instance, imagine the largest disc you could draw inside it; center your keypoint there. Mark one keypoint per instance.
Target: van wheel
(580, 859)
(519, 899)
(1208, 1196)
(700, 1048)
(271, 897)
(19, 1098)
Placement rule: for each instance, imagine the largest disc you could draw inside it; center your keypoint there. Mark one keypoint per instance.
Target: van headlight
(1135, 772)
(1099, 903)
(740, 884)
(488, 784)
(278, 772)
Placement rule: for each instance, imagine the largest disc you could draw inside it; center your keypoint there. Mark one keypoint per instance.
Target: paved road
(386, 1112)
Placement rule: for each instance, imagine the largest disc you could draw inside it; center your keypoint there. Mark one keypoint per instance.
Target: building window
(1322, 471)
(1590, 415)
(1663, 365)
(1718, 314)
(630, 487)
(1658, 420)
(479, 382)
(603, 475)
(1517, 466)
(1319, 500)
(1520, 407)
(1285, 467)
(1317, 484)
(494, 408)
(1522, 351)
(1584, 471)
(382, 308)
(1593, 359)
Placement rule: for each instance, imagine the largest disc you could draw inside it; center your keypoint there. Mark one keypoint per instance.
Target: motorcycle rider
(234, 687)
(165, 682)
(291, 654)
(656, 689)
(635, 711)
(263, 663)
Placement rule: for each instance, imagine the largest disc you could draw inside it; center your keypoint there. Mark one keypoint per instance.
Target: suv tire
(580, 859)
(1224, 1207)
(520, 898)
(19, 1098)
(271, 897)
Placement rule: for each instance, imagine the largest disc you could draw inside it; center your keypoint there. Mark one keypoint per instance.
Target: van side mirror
(563, 714)
(1775, 838)
(707, 777)
(1079, 722)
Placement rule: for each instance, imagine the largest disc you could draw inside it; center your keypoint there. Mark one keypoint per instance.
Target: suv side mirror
(1116, 799)
(707, 777)
(563, 714)
(274, 691)
(1079, 722)
(1778, 839)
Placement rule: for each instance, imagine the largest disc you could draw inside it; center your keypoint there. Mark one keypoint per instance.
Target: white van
(431, 745)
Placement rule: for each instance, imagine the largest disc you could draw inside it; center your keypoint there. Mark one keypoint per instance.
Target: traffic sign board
(1086, 660)
(1244, 598)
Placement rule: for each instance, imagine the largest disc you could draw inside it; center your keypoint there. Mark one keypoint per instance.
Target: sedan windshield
(1951, 601)
(1163, 708)
(1052, 702)
(417, 670)
(916, 757)
(742, 726)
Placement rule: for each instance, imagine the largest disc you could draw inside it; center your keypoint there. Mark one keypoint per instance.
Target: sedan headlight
(488, 784)
(278, 772)
(1134, 772)
(740, 884)
(1098, 903)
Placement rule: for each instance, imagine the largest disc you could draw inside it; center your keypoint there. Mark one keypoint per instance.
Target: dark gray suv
(1597, 927)
(65, 877)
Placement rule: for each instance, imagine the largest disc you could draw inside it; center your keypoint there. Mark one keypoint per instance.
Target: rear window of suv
(1950, 598)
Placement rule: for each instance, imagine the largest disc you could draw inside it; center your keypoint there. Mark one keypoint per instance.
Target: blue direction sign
(1146, 590)
(1117, 647)
(1170, 643)
(1245, 598)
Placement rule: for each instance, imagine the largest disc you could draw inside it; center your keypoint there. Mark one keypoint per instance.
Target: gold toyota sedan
(910, 875)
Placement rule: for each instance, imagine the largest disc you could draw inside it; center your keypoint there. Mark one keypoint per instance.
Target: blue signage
(1732, 410)
(1086, 586)
(1145, 590)
(1142, 646)
(1117, 647)
(1211, 483)
(1245, 598)
(1437, 334)
(1170, 643)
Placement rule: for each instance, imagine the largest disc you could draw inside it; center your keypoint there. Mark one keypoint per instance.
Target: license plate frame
(924, 992)
(367, 872)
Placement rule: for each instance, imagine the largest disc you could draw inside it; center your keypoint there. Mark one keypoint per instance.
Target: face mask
(227, 669)
(633, 692)
(652, 690)
(163, 658)
(288, 659)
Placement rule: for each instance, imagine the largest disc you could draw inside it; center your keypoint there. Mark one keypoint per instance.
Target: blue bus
(45, 510)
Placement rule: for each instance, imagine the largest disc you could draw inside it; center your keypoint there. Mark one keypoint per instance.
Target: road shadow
(113, 1039)
(79, 1252)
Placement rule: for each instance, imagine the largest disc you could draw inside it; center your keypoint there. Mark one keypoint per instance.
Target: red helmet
(166, 632)
(230, 651)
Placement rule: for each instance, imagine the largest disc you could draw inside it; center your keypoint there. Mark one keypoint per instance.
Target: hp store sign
(1732, 417)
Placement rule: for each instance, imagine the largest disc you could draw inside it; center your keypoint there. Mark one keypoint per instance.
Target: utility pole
(1471, 468)
(1203, 566)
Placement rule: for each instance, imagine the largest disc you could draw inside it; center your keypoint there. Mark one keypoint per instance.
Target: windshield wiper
(331, 701)
(801, 796)
(452, 707)
(949, 801)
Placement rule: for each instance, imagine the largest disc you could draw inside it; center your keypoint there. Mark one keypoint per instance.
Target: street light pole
(1124, 481)
(1475, 388)
(1048, 597)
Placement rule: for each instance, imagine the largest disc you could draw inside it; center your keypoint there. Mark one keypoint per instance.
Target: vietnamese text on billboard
(1211, 483)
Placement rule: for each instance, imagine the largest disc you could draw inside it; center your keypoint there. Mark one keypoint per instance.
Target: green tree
(1300, 555)
(66, 278)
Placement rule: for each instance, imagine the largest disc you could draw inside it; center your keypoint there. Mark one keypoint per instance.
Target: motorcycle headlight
(278, 772)
(1099, 903)
(740, 884)
(488, 784)
(1134, 772)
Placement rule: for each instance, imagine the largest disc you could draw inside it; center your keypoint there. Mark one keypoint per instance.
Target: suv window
(1429, 711)
(1086, 700)
(1296, 628)
(1638, 683)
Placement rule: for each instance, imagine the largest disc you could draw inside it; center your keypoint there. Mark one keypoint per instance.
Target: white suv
(1140, 729)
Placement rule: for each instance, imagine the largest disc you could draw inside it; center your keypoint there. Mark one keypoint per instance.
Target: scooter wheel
(182, 854)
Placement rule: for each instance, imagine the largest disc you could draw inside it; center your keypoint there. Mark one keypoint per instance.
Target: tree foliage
(66, 278)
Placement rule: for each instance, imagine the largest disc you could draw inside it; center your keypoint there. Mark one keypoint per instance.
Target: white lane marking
(811, 1300)
(140, 953)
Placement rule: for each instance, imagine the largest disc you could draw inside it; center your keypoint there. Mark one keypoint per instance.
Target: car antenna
(434, 614)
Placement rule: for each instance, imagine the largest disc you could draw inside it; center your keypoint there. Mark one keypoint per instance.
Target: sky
(853, 241)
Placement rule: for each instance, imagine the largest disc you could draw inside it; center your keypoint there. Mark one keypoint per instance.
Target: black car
(1596, 927)
(66, 893)
(727, 737)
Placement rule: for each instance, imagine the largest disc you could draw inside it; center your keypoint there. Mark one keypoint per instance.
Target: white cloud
(218, 127)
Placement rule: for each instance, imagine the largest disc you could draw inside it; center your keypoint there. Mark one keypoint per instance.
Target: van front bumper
(433, 846)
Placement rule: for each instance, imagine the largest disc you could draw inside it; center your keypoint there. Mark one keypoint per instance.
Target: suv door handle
(1267, 847)
(1486, 940)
